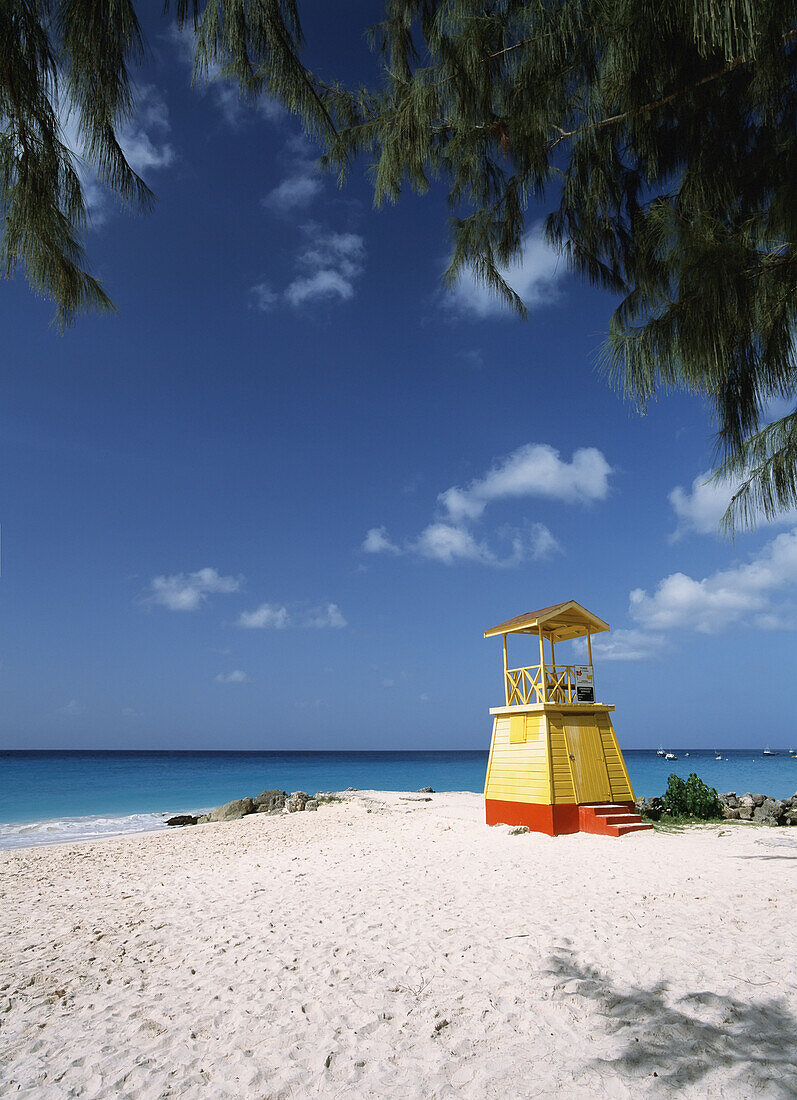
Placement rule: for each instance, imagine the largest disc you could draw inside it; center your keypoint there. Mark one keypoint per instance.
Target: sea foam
(62, 830)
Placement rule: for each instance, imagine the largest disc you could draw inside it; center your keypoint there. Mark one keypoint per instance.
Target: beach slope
(386, 946)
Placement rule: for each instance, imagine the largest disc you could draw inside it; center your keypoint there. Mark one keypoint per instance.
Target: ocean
(52, 797)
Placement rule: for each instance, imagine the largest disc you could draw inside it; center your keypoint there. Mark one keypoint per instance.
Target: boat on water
(718, 756)
(659, 752)
(670, 756)
(769, 752)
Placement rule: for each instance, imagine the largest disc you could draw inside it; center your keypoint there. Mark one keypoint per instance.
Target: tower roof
(560, 622)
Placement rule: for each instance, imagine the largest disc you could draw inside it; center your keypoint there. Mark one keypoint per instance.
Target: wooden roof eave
(561, 622)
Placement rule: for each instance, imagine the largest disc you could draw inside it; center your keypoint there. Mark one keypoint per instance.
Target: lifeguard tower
(555, 764)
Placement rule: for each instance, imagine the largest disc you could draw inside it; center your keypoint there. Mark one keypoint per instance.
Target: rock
(746, 807)
(769, 812)
(311, 804)
(203, 819)
(790, 817)
(412, 798)
(270, 802)
(231, 811)
(516, 830)
(758, 799)
(730, 799)
(183, 819)
(296, 801)
(425, 790)
(730, 813)
(650, 807)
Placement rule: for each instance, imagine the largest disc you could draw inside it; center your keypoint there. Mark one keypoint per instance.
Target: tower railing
(541, 684)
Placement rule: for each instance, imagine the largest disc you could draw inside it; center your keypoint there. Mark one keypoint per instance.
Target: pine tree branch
(654, 105)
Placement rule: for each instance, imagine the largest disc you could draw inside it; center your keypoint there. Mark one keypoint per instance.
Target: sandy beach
(386, 947)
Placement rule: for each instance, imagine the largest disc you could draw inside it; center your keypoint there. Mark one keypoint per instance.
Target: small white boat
(670, 756)
(769, 752)
(718, 756)
(659, 752)
(686, 754)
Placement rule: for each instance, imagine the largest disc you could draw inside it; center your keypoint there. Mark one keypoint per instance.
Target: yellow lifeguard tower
(555, 764)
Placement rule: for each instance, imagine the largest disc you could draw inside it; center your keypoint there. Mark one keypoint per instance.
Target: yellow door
(585, 748)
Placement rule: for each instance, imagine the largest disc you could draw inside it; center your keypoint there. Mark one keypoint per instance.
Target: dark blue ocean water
(53, 796)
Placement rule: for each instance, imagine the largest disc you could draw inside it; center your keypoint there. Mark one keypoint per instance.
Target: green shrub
(691, 798)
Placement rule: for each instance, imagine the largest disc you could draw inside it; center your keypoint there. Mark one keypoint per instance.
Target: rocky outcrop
(652, 808)
(759, 808)
(270, 802)
(231, 811)
(267, 802)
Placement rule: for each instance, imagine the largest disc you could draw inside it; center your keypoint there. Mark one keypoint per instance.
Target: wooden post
(542, 667)
(589, 648)
(506, 678)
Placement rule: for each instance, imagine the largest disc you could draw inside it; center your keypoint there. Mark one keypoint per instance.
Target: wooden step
(633, 827)
(610, 819)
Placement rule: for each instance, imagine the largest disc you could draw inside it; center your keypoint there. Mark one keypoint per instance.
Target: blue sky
(276, 499)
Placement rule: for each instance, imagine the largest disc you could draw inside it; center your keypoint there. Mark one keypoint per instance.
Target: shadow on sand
(682, 1040)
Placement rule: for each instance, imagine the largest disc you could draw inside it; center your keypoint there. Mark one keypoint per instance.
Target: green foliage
(662, 135)
(665, 135)
(63, 63)
(691, 798)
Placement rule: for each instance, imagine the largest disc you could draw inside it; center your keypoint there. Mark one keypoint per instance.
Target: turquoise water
(46, 797)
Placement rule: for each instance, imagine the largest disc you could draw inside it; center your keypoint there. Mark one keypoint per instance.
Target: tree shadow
(682, 1041)
(766, 857)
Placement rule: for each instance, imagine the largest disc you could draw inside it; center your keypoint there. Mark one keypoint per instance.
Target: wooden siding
(589, 767)
(622, 791)
(517, 771)
(561, 769)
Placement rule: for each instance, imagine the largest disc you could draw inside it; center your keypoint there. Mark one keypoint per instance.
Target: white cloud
(327, 616)
(233, 107)
(333, 262)
(449, 543)
(535, 277)
(329, 267)
(293, 192)
(702, 508)
(237, 676)
(533, 470)
(267, 615)
(377, 542)
(143, 142)
(627, 645)
(543, 544)
(263, 297)
(741, 594)
(73, 708)
(303, 182)
(446, 543)
(188, 591)
(278, 617)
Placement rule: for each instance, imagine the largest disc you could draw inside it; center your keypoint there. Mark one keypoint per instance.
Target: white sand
(405, 952)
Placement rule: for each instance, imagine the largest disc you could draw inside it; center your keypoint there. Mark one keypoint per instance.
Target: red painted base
(607, 819)
(551, 820)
